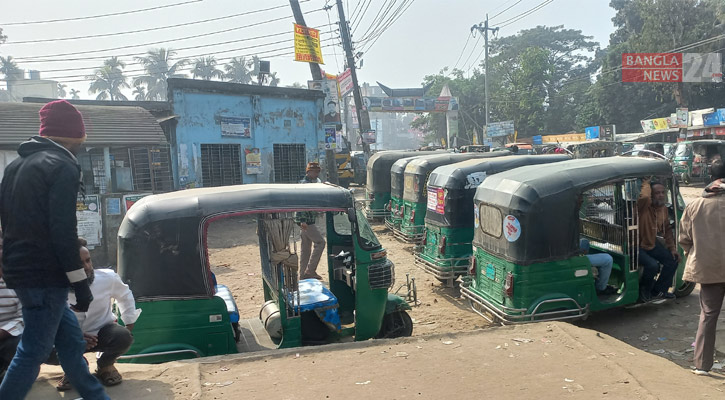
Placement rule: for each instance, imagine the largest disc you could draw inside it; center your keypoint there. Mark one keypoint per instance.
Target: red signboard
(652, 67)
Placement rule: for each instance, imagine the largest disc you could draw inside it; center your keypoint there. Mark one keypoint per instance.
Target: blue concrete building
(228, 133)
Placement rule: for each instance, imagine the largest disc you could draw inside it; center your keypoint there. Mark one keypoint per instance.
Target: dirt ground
(666, 331)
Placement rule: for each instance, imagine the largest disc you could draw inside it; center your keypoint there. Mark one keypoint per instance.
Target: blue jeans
(49, 321)
(650, 260)
(603, 262)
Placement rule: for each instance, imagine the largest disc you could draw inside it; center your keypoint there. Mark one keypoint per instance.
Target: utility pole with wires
(363, 117)
(331, 162)
(483, 28)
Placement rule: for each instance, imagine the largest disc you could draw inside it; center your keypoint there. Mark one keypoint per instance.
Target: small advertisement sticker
(131, 199)
(511, 228)
(432, 202)
(440, 201)
(476, 216)
(88, 215)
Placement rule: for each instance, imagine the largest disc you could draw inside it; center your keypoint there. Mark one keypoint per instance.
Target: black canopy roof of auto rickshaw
(542, 200)
(398, 169)
(527, 188)
(379, 164)
(461, 179)
(455, 176)
(204, 202)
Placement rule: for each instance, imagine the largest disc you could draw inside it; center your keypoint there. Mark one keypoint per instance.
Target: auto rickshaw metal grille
(380, 276)
(601, 216)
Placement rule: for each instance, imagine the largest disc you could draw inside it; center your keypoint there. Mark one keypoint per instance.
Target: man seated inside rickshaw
(654, 220)
(603, 262)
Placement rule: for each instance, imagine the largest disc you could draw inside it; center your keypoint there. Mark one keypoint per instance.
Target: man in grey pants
(309, 255)
(701, 237)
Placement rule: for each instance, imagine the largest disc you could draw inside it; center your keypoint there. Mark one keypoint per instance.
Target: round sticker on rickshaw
(511, 228)
(476, 222)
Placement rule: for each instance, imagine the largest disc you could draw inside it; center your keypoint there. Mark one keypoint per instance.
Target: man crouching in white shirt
(98, 324)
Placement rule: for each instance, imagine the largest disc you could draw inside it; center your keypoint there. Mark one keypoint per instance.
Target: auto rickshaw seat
(226, 295)
(314, 296)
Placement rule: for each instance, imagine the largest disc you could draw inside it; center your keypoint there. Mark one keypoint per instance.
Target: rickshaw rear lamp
(379, 255)
(508, 286)
(425, 240)
(390, 205)
(683, 163)
(442, 247)
(472, 267)
(412, 215)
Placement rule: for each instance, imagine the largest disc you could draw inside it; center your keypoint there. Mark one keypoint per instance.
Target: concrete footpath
(536, 361)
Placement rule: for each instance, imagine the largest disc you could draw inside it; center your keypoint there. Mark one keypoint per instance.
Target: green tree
(159, 66)
(107, 82)
(75, 94)
(139, 93)
(9, 68)
(656, 26)
(61, 91)
(238, 70)
(3, 38)
(206, 69)
(565, 72)
(273, 79)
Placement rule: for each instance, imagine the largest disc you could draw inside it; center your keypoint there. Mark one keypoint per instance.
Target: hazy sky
(428, 36)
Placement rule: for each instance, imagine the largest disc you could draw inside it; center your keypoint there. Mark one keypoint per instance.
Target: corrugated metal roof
(104, 125)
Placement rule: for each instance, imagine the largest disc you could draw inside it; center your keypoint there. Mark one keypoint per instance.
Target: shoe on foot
(63, 384)
(663, 296)
(608, 290)
(700, 372)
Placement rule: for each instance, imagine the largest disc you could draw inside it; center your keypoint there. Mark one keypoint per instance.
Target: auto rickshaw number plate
(490, 271)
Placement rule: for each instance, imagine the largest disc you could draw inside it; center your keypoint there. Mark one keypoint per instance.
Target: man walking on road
(38, 198)
(701, 236)
(309, 256)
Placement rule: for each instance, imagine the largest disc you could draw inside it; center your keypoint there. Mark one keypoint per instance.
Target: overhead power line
(48, 21)
(84, 78)
(36, 59)
(506, 9)
(159, 27)
(525, 13)
(463, 50)
(373, 38)
(192, 56)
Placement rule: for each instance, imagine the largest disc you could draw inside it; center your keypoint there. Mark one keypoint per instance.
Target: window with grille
(151, 169)
(290, 161)
(221, 164)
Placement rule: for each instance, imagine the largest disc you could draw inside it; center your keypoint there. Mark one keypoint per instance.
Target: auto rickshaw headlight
(379, 255)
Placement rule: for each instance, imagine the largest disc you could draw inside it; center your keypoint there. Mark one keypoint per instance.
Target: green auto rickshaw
(415, 191)
(377, 190)
(163, 256)
(397, 185)
(692, 159)
(446, 249)
(527, 262)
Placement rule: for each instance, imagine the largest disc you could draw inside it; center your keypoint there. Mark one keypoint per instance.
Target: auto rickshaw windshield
(682, 150)
(368, 241)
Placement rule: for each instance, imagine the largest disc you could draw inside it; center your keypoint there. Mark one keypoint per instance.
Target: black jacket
(38, 197)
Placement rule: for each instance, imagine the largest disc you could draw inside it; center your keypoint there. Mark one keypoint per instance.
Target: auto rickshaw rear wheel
(685, 289)
(396, 324)
(685, 178)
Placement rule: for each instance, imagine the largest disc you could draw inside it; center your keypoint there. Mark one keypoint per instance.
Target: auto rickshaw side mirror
(351, 215)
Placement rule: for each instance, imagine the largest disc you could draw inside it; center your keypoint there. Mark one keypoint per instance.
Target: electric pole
(317, 76)
(363, 117)
(483, 28)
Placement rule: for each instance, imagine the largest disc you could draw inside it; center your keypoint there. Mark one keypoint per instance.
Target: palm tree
(107, 82)
(140, 93)
(273, 80)
(75, 94)
(238, 70)
(159, 68)
(10, 69)
(61, 91)
(205, 68)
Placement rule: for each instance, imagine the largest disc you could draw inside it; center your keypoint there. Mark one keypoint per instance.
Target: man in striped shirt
(11, 321)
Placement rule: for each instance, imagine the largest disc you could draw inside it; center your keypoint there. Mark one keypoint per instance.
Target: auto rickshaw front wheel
(685, 289)
(396, 324)
(685, 177)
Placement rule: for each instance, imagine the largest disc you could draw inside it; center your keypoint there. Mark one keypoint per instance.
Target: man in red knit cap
(41, 261)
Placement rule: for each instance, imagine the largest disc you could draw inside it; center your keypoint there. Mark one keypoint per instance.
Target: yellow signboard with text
(307, 45)
(565, 138)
